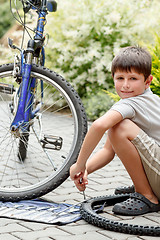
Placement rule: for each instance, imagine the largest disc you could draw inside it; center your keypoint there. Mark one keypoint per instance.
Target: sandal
(123, 190)
(137, 204)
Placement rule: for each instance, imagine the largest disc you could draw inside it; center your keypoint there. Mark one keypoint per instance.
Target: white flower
(107, 30)
(101, 77)
(114, 17)
(93, 53)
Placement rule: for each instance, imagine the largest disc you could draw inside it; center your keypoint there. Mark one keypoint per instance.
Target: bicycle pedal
(52, 142)
(6, 88)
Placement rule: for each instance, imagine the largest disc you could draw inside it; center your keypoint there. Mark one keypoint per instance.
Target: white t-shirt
(144, 111)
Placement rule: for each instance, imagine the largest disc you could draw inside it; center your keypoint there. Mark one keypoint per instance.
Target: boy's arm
(94, 135)
(101, 158)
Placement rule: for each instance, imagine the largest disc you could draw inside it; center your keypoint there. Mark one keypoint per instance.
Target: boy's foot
(123, 190)
(137, 204)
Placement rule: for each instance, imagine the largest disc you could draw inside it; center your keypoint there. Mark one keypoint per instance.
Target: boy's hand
(81, 181)
(79, 176)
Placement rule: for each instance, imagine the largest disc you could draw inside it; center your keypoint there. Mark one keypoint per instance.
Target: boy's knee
(121, 127)
(126, 128)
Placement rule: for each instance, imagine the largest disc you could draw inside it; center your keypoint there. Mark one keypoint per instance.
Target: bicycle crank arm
(52, 142)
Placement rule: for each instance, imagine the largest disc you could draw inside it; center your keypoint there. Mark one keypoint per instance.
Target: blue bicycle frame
(27, 88)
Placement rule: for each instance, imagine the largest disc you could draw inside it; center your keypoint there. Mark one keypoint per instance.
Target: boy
(133, 126)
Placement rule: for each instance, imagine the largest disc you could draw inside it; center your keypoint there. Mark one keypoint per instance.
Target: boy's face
(130, 84)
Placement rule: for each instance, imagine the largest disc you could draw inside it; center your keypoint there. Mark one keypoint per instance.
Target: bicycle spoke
(50, 159)
(16, 169)
(6, 164)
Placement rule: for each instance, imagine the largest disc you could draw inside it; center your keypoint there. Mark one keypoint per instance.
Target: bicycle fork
(23, 114)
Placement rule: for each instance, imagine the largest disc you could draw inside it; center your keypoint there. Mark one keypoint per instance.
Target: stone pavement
(103, 182)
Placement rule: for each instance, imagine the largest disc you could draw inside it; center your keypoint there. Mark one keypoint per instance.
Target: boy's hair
(135, 58)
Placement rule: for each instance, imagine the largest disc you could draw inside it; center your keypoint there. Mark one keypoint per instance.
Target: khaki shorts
(149, 152)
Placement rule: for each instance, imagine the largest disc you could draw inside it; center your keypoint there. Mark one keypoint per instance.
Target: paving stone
(141, 221)
(48, 232)
(44, 238)
(68, 190)
(87, 236)
(81, 229)
(115, 235)
(8, 236)
(33, 226)
(149, 238)
(67, 197)
(154, 217)
(133, 238)
(13, 227)
(6, 221)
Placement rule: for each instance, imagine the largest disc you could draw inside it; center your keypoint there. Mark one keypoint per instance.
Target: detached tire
(90, 214)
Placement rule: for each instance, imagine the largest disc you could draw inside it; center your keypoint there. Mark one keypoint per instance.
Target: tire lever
(84, 195)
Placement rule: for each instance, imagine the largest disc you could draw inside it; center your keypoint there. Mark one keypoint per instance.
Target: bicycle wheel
(35, 164)
(95, 210)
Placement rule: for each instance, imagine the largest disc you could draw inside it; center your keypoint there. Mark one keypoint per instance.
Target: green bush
(86, 34)
(155, 52)
(6, 19)
(97, 105)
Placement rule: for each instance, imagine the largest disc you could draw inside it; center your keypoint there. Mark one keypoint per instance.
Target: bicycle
(42, 119)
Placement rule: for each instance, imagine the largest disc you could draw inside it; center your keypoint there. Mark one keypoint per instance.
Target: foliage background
(84, 37)
(6, 16)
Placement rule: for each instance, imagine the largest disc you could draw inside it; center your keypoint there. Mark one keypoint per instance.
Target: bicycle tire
(23, 144)
(90, 215)
(65, 118)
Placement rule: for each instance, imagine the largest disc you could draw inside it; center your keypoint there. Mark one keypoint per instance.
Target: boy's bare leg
(120, 137)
